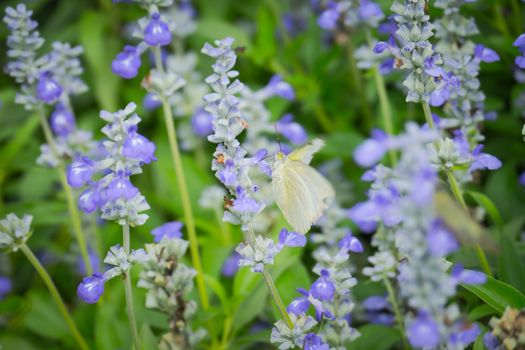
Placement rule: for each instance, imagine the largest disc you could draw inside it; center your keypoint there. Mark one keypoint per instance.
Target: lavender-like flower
(169, 230)
(125, 152)
(401, 199)
(91, 288)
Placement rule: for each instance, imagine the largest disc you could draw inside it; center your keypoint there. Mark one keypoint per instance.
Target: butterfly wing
(301, 193)
(305, 153)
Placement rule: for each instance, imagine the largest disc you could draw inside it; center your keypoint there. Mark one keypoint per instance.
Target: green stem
(183, 189)
(272, 288)
(358, 85)
(458, 195)
(74, 214)
(399, 317)
(386, 112)
(129, 293)
(56, 296)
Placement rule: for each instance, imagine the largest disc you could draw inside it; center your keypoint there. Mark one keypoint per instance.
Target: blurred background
(277, 37)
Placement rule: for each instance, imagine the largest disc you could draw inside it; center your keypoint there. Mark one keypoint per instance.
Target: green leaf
(497, 294)
(481, 311)
(210, 29)
(375, 337)
(250, 305)
(43, 311)
(510, 267)
(488, 205)
(149, 341)
(218, 289)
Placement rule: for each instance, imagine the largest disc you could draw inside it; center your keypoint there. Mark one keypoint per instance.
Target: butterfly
(301, 192)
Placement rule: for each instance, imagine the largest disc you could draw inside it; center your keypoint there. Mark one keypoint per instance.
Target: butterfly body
(301, 192)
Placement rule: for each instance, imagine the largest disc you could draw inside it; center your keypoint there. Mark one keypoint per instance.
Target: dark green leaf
(497, 294)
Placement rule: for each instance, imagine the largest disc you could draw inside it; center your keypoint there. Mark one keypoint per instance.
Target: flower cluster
(50, 79)
(124, 152)
(14, 232)
(231, 165)
(350, 13)
(401, 201)
(330, 294)
(168, 281)
(415, 53)
(91, 288)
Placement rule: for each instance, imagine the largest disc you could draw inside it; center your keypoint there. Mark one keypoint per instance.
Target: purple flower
(231, 264)
(228, 175)
(376, 303)
(260, 160)
(483, 160)
(47, 89)
(120, 187)
(468, 334)
(369, 10)
(382, 318)
(372, 150)
(299, 305)
(440, 241)
(138, 147)
(169, 230)
(522, 179)
(423, 332)
(323, 289)
(201, 123)
(520, 43)
(351, 243)
(5, 286)
(91, 288)
(89, 200)
(461, 275)
(439, 96)
(490, 341)
(157, 32)
(278, 87)
(244, 203)
(80, 171)
(484, 54)
(62, 120)
(364, 215)
(293, 131)
(127, 63)
(290, 239)
(329, 17)
(151, 101)
(314, 342)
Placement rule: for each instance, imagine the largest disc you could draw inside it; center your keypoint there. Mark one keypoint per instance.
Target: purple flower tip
(127, 63)
(291, 239)
(80, 171)
(5, 286)
(351, 243)
(323, 289)
(62, 120)
(201, 123)
(138, 147)
(314, 342)
(157, 32)
(91, 288)
(231, 265)
(168, 230)
(47, 89)
(423, 332)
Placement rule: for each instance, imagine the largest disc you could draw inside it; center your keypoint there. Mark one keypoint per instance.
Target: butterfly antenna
(278, 138)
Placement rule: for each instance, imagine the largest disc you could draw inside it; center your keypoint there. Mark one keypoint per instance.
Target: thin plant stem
(399, 317)
(56, 296)
(129, 293)
(458, 195)
(357, 81)
(272, 288)
(386, 112)
(74, 214)
(183, 189)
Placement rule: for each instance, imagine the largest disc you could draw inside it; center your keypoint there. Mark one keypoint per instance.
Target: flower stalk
(55, 295)
(183, 189)
(74, 214)
(129, 293)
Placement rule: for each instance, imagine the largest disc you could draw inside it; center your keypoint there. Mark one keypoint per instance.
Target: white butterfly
(300, 191)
